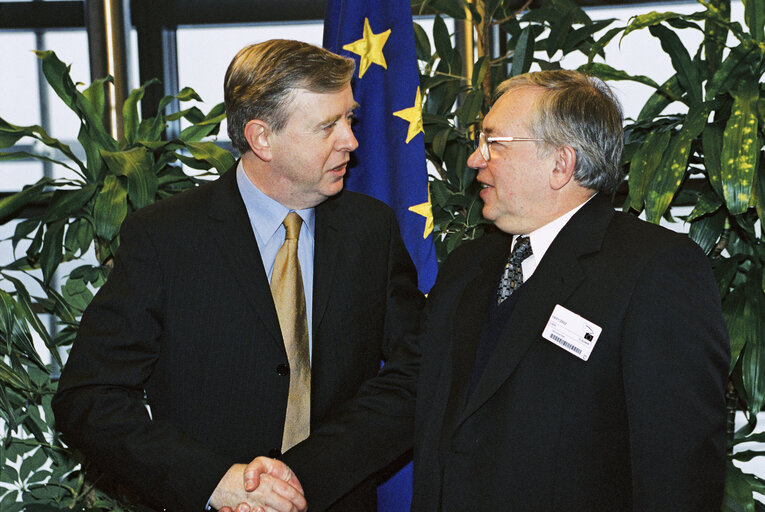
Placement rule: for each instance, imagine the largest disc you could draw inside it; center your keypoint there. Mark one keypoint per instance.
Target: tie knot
(522, 249)
(292, 224)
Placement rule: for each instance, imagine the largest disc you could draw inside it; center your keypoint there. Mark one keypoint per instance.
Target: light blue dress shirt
(266, 217)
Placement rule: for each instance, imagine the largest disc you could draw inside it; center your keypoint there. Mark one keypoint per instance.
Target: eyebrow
(328, 121)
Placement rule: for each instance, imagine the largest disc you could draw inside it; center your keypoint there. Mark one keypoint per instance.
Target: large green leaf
(130, 112)
(738, 494)
(523, 56)
(26, 308)
(712, 141)
(110, 208)
(442, 39)
(211, 153)
(705, 230)
(479, 72)
(66, 203)
(38, 133)
(23, 229)
(669, 91)
(753, 363)
(471, 107)
(137, 165)
(739, 319)
(421, 43)
(18, 336)
(715, 36)
(95, 168)
(754, 14)
(673, 164)
(560, 26)
(740, 147)
(79, 236)
(9, 139)
(206, 126)
(654, 18)
(606, 72)
(643, 167)
(687, 74)
(57, 75)
(452, 8)
(51, 253)
(581, 38)
(13, 203)
(96, 94)
(738, 62)
(23, 155)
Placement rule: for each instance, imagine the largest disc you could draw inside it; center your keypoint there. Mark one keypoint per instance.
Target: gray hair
(261, 80)
(580, 111)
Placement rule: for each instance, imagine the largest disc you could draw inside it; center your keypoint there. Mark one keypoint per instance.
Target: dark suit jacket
(187, 318)
(637, 427)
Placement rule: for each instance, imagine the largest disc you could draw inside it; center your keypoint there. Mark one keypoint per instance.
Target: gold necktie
(289, 299)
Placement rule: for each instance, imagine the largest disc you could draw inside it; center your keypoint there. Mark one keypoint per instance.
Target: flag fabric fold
(390, 161)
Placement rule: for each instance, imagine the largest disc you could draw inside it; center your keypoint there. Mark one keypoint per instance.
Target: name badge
(571, 332)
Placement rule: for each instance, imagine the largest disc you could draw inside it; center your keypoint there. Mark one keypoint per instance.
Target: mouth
(340, 169)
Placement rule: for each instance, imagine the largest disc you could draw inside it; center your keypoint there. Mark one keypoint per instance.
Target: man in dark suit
(187, 318)
(575, 360)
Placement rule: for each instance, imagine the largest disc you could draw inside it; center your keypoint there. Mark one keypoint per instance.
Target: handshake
(264, 485)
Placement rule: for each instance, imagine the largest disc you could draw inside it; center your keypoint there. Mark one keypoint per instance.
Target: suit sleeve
(100, 407)
(377, 426)
(675, 362)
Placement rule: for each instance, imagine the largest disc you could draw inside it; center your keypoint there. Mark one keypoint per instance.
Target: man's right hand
(261, 466)
(275, 488)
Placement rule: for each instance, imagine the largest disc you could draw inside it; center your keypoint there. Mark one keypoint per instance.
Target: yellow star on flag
(426, 211)
(369, 48)
(413, 115)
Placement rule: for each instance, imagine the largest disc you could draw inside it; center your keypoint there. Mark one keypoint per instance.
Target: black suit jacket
(187, 318)
(637, 427)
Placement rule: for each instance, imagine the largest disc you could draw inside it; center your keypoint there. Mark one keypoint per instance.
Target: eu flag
(390, 160)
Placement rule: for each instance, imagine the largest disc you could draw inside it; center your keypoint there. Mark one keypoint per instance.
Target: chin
(334, 188)
(487, 214)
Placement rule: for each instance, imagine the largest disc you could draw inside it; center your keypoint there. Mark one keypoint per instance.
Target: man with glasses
(574, 360)
(246, 309)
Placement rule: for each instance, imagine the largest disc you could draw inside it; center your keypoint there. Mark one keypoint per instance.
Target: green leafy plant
(80, 222)
(455, 103)
(698, 141)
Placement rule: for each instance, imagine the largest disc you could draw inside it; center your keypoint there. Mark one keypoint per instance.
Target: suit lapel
(326, 342)
(326, 246)
(472, 306)
(232, 230)
(555, 279)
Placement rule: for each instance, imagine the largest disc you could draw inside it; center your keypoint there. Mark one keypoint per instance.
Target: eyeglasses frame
(484, 143)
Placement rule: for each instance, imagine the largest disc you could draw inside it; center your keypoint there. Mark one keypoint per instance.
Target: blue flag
(390, 160)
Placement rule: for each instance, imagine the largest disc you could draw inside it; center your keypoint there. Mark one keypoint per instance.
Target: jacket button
(274, 453)
(283, 369)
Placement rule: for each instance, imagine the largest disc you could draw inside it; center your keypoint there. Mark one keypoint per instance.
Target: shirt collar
(267, 214)
(541, 238)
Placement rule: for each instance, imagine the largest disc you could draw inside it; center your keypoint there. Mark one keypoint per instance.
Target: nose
(475, 160)
(346, 140)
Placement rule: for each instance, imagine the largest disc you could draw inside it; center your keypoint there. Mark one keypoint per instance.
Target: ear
(256, 132)
(565, 163)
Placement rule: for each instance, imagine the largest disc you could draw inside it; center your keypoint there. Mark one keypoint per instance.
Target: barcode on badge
(566, 344)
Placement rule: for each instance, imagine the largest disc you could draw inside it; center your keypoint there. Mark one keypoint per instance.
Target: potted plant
(81, 211)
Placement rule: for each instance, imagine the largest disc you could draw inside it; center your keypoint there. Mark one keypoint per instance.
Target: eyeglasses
(484, 143)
